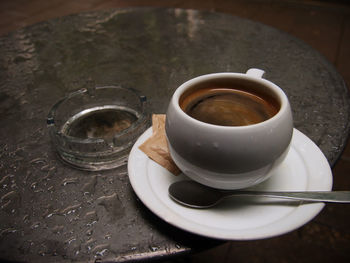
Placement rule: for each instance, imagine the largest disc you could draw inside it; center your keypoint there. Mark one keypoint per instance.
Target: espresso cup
(229, 130)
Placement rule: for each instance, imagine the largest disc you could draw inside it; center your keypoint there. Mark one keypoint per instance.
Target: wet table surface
(52, 212)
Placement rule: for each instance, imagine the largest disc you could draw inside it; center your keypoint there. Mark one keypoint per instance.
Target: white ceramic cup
(229, 157)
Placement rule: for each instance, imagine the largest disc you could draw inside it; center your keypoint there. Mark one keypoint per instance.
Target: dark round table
(52, 212)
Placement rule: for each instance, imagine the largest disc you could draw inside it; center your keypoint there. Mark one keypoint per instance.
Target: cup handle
(255, 72)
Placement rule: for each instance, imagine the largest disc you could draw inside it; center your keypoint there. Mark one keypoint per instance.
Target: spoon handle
(312, 196)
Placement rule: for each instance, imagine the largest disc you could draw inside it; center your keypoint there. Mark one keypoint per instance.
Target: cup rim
(283, 100)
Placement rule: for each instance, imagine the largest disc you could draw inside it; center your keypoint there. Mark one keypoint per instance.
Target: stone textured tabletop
(51, 212)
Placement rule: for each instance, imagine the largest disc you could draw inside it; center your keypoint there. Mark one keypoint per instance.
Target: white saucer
(305, 168)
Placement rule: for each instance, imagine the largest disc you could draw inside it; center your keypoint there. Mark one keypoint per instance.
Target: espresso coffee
(228, 106)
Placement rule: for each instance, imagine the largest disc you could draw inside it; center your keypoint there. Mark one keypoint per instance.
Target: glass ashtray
(95, 128)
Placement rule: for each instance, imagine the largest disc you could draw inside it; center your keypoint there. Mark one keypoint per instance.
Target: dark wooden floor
(325, 25)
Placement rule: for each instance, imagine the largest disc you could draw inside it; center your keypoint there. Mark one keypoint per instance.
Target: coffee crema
(228, 106)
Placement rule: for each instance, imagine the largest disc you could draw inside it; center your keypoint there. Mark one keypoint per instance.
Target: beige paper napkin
(156, 147)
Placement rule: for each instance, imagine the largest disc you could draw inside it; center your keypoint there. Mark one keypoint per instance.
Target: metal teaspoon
(192, 194)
